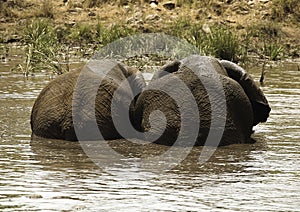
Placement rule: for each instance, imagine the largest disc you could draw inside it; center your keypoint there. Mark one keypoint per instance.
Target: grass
(7, 11)
(43, 51)
(202, 3)
(267, 29)
(114, 32)
(94, 3)
(273, 51)
(262, 39)
(47, 47)
(3, 52)
(217, 41)
(81, 34)
(46, 10)
(282, 9)
(48, 43)
(266, 38)
(182, 2)
(224, 43)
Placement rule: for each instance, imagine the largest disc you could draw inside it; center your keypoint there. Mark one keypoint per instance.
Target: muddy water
(52, 175)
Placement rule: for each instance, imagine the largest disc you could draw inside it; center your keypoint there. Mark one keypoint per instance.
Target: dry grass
(283, 9)
(88, 23)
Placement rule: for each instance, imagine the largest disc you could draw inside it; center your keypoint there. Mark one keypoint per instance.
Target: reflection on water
(54, 175)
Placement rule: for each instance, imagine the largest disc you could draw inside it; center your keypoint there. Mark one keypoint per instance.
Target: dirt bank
(154, 16)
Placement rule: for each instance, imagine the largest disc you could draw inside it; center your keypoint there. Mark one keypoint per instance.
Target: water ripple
(51, 175)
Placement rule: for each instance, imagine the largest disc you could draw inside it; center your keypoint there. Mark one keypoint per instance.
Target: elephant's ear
(135, 79)
(260, 105)
(134, 76)
(169, 68)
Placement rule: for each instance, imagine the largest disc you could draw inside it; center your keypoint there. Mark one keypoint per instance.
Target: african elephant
(80, 100)
(226, 101)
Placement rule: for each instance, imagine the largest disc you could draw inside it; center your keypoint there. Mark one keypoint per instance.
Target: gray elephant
(74, 103)
(200, 101)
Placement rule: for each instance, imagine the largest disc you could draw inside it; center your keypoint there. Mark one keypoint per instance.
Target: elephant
(220, 107)
(78, 101)
(227, 104)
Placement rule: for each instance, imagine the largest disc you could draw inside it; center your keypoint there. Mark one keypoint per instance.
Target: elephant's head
(260, 105)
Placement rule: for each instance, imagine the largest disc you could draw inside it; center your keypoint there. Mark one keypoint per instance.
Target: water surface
(53, 175)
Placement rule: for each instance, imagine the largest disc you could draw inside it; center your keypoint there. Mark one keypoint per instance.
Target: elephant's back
(221, 102)
(178, 96)
(52, 106)
(228, 99)
(203, 65)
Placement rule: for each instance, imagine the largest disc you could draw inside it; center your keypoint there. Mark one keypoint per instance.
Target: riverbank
(234, 30)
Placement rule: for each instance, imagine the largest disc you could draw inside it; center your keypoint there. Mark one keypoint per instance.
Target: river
(52, 175)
